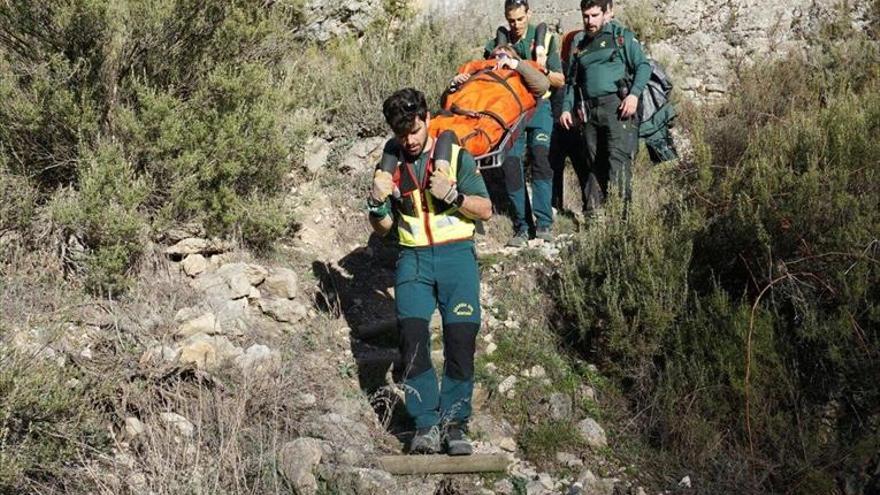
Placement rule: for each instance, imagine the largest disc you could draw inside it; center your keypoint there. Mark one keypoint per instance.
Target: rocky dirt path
(273, 373)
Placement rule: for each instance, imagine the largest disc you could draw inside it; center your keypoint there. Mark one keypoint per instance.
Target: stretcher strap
(476, 114)
(506, 85)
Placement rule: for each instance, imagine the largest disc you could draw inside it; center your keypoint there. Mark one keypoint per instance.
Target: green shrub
(745, 318)
(17, 200)
(210, 104)
(103, 215)
(645, 19)
(48, 420)
(187, 94)
(350, 78)
(541, 442)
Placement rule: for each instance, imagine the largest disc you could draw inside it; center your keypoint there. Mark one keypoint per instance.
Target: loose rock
(503, 487)
(159, 355)
(560, 406)
(198, 245)
(592, 433)
(297, 460)
(283, 310)
(194, 264)
(207, 352)
(568, 459)
(685, 482)
(362, 481)
(281, 283)
(506, 387)
(180, 424)
(258, 359)
(317, 152)
(133, 427)
(206, 323)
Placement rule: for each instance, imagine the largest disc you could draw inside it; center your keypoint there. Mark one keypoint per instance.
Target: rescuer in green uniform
(600, 69)
(523, 37)
(435, 192)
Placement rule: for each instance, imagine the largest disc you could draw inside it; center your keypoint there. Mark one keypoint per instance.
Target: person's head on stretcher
(406, 112)
(506, 56)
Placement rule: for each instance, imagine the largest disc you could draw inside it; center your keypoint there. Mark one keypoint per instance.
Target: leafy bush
(352, 77)
(140, 114)
(645, 20)
(17, 200)
(48, 419)
(103, 215)
(209, 104)
(746, 318)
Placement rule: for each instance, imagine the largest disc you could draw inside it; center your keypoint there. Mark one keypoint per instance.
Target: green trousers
(427, 278)
(536, 137)
(611, 144)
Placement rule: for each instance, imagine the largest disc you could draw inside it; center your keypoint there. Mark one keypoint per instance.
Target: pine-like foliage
(738, 303)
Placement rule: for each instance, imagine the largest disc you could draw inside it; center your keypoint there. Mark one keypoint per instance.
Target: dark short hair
(402, 108)
(602, 4)
(515, 4)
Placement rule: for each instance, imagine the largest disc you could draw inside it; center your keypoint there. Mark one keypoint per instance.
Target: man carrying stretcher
(489, 98)
(431, 189)
(488, 104)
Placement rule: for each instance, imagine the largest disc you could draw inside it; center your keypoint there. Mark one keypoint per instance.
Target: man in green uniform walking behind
(435, 192)
(522, 36)
(608, 72)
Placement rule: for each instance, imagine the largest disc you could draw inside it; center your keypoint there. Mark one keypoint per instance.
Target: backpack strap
(618, 34)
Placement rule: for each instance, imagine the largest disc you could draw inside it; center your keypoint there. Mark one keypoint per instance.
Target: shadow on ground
(359, 287)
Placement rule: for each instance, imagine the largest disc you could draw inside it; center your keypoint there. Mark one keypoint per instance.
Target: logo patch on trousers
(463, 309)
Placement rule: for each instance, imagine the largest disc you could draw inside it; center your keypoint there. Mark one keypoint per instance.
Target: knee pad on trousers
(541, 169)
(513, 174)
(414, 354)
(459, 345)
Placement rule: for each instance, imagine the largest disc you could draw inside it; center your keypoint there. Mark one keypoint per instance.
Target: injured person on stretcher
(485, 107)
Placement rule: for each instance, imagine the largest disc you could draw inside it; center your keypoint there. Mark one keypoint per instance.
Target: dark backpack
(656, 112)
(659, 87)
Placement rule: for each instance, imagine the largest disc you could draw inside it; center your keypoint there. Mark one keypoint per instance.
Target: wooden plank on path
(446, 464)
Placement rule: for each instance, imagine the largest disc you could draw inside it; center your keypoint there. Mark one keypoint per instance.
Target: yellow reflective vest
(549, 38)
(426, 220)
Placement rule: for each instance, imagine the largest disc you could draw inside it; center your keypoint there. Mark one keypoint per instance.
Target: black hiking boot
(426, 441)
(455, 439)
(520, 239)
(544, 233)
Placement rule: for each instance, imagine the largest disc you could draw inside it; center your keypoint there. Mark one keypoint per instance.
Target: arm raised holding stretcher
(531, 73)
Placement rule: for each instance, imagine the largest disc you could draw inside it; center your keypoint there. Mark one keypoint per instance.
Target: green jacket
(525, 49)
(598, 63)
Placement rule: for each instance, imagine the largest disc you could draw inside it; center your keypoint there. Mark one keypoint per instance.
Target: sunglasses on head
(410, 107)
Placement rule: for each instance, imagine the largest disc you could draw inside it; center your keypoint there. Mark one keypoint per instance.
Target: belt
(599, 100)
